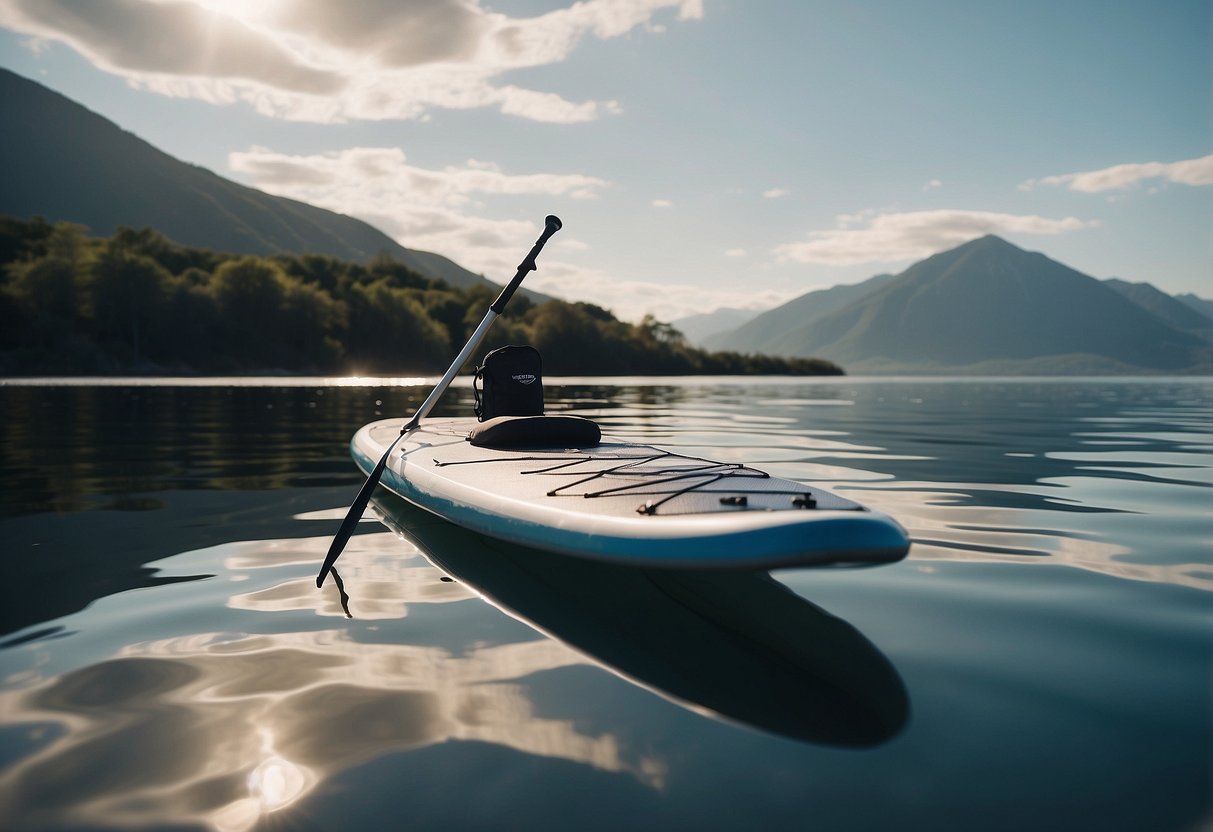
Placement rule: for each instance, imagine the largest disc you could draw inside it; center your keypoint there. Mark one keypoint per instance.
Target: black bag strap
(478, 408)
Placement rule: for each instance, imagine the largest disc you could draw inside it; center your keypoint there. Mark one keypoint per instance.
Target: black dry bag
(509, 383)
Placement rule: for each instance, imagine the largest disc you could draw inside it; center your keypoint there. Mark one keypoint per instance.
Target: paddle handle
(551, 225)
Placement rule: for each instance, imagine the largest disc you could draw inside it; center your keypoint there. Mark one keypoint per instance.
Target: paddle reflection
(738, 645)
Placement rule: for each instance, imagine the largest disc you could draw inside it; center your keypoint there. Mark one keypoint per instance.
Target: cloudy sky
(702, 153)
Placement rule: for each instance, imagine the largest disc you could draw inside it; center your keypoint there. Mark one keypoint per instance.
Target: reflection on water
(166, 660)
(202, 720)
(734, 644)
(221, 728)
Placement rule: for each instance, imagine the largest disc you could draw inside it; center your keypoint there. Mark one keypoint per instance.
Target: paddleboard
(624, 502)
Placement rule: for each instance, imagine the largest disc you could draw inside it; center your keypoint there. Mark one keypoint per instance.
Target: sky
(701, 153)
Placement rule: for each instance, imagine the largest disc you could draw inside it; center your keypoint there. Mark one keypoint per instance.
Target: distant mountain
(1204, 307)
(990, 307)
(779, 330)
(1175, 312)
(64, 162)
(699, 328)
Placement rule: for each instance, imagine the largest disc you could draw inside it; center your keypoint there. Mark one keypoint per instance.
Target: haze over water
(1040, 661)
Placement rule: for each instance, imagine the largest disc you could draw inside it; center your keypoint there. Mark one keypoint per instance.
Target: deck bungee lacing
(648, 474)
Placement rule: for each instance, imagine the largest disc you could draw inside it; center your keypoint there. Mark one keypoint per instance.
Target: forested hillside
(137, 302)
(62, 161)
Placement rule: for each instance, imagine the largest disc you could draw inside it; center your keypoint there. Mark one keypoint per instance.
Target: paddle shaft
(552, 224)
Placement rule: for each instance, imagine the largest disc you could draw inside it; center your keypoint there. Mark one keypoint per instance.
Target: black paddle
(551, 226)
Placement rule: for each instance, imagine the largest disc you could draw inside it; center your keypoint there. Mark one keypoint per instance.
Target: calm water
(1042, 660)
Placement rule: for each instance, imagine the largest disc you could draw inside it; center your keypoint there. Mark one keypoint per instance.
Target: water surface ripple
(1040, 661)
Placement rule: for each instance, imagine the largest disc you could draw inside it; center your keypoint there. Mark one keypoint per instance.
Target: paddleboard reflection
(735, 645)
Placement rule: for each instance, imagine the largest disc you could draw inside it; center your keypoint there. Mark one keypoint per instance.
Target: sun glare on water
(274, 784)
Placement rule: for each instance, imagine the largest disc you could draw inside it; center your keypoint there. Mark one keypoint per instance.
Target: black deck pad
(535, 432)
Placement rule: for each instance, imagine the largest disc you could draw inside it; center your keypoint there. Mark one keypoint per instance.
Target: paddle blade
(353, 516)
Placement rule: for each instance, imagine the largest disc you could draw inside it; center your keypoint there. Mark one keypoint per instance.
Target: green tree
(311, 322)
(575, 338)
(126, 292)
(190, 331)
(23, 239)
(652, 331)
(449, 309)
(68, 242)
(328, 273)
(13, 321)
(398, 275)
(389, 331)
(46, 290)
(154, 245)
(249, 293)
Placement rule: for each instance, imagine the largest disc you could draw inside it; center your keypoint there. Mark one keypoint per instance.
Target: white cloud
(1119, 177)
(136, 37)
(775, 193)
(436, 210)
(847, 220)
(420, 208)
(912, 235)
(318, 60)
(662, 203)
(735, 252)
(932, 185)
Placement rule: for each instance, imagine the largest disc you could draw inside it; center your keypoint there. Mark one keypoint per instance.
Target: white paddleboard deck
(626, 503)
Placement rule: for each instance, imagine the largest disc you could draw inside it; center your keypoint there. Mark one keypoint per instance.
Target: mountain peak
(987, 306)
(988, 242)
(976, 255)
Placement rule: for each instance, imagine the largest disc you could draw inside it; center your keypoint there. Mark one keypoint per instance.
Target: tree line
(138, 302)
